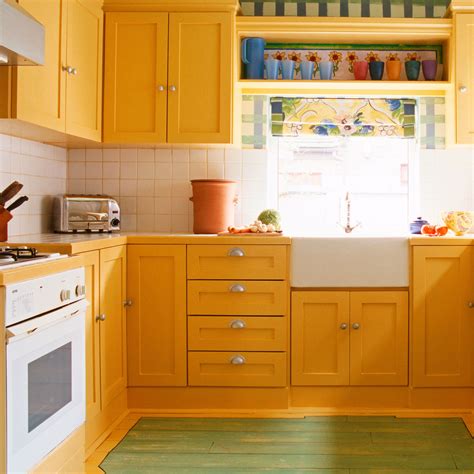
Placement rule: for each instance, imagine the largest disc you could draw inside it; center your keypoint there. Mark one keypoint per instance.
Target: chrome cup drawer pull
(237, 324)
(237, 289)
(236, 252)
(238, 360)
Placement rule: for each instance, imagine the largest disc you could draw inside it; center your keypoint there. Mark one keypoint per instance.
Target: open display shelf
(349, 31)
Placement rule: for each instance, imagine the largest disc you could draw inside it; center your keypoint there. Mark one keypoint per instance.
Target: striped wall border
(347, 8)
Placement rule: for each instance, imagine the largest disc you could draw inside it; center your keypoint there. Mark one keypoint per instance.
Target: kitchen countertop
(75, 243)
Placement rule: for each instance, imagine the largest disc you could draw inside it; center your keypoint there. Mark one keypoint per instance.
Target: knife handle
(17, 203)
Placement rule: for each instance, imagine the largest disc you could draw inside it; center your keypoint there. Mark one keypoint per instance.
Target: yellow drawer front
(234, 333)
(247, 262)
(237, 297)
(237, 369)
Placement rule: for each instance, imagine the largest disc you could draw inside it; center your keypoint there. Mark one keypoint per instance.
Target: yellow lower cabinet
(157, 315)
(349, 338)
(379, 338)
(222, 333)
(443, 316)
(112, 317)
(237, 369)
(320, 338)
(92, 271)
(237, 297)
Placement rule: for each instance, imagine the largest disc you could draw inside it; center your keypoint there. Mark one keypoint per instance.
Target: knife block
(5, 217)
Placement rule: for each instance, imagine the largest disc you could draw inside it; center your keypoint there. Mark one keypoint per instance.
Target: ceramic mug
(272, 67)
(287, 69)
(252, 52)
(360, 70)
(326, 69)
(429, 67)
(412, 68)
(394, 69)
(376, 70)
(307, 70)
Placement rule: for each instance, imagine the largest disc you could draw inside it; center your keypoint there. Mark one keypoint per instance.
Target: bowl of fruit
(458, 221)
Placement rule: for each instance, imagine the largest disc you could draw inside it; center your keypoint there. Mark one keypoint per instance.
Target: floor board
(325, 444)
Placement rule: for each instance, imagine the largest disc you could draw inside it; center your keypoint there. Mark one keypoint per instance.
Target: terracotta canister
(214, 201)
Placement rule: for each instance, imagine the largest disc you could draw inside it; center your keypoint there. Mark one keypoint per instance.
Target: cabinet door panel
(442, 321)
(157, 317)
(200, 67)
(113, 354)
(319, 345)
(91, 265)
(136, 64)
(84, 53)
(379, 348)
(41, 94)
(464, 23)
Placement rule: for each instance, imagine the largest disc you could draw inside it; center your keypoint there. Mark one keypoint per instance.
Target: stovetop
(11, 257)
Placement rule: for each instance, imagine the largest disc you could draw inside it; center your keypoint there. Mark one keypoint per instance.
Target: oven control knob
(80, 290)
(65, 295)
(115, 222)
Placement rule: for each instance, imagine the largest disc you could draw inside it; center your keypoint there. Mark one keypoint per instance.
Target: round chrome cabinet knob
(101, 317)
(343, 326)
(462, 89)
(356, 326)
(65, 295)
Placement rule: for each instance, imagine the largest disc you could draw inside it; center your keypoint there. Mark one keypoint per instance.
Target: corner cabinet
(349, 338)
(464, 27)
(157, 315)
(65, 94)
(168, 77)
(443, 316)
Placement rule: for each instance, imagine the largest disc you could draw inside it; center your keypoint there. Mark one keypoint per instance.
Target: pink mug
(360, 70)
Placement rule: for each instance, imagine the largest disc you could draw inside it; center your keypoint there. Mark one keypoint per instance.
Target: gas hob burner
(18, 253)
(6, 260)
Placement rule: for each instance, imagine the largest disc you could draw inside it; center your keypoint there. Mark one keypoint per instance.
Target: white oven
(45, 368)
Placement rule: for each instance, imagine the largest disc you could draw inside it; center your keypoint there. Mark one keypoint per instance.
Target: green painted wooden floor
(336, 445)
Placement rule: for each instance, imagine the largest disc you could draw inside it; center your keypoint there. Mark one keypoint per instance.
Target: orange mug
(394, 69)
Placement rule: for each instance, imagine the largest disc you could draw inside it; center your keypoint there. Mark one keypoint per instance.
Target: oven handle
(28, 328)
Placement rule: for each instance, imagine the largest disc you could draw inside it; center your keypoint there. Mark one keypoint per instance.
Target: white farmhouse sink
(349, 261)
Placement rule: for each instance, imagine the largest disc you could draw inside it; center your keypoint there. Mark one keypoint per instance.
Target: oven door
(45, 384)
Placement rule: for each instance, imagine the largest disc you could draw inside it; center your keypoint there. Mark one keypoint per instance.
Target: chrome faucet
(348, 228)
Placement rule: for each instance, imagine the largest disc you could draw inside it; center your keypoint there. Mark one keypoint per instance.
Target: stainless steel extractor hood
(21, 36)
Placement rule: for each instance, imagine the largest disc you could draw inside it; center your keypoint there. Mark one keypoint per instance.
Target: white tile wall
(43, 170)
(153, 186)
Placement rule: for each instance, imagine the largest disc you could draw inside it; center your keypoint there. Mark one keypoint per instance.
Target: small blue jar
(417, 224)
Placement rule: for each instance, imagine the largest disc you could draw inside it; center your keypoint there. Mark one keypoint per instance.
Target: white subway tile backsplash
(163, 155)
(145, 222)
(180, 171)
(128, 205)
(76, 154)
(163, 205)
(111, 154)
(146, 187)
(145, 205)
(179, 223)
(128, 154)
(93, 154)
(146, 155)
(111, 170)
(76, 170)
(128, 187)
(197, 156)
(233, 171)
(179, 205)
(111, 187)
(76, 186)
(162, 188)
(215, 155)
(180, 155)
(215, 170)
(94, 186)
(146, 170)
(163, 170)
(163, 223)
(128, 170)
(94, 170)
(233, 155)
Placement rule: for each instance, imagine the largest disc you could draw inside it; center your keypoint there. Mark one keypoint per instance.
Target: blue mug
(273, 68)
(307, 70)
(326, 70)
(287, 69)
(253, 50)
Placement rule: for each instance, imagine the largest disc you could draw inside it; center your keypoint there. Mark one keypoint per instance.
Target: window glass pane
(49, 385)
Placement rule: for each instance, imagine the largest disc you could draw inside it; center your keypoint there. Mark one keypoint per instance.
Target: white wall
(152, 186)
(42, 170)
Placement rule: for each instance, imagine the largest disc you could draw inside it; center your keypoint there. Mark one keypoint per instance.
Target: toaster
(86, 213)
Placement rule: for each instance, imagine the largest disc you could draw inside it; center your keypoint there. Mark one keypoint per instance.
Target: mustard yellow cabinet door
(464, 26)
(157, 316)
(41, 91)
(84, 58)
(135, 77)
(113, 355)
(91, 266)
(200, 78)
(379, 338)
(320, 338)
(442, 319)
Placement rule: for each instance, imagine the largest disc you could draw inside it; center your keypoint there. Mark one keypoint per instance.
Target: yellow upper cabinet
(464, 27)
(65, 94)
(40, 96)
(135, 77)
(84, 56)
(443, 327)
(168, 77)
(200, 75)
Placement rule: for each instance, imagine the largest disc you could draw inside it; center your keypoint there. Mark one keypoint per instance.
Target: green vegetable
(270, 216)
